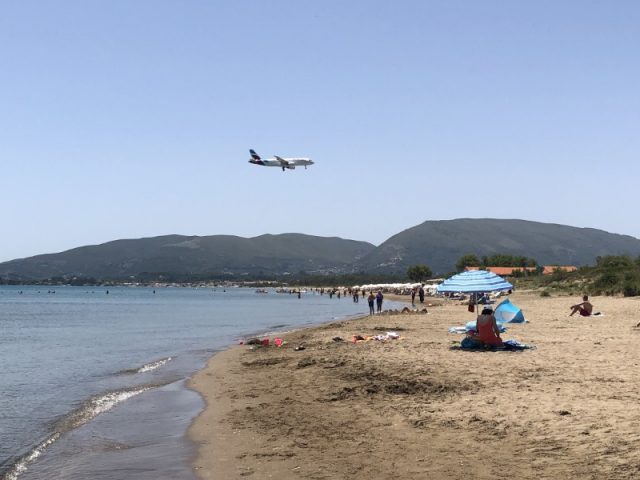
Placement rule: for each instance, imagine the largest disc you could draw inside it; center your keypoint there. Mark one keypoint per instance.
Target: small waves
(21, 465)
(278, 326)
(86, 412)
(95, 406)
(147, 367)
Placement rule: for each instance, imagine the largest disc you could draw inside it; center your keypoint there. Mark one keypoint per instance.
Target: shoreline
(417, 408)
(86, 438)
(203, 430)
(210, 383)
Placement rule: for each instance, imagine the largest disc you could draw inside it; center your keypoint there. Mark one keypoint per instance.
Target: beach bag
(470, 343)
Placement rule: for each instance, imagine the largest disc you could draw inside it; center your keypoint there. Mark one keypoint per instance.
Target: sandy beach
(419, 408)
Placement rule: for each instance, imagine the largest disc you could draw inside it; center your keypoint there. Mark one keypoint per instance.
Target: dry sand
(416, 408)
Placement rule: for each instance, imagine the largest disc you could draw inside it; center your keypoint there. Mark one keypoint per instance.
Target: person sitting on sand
(585, 308)
(487, 328)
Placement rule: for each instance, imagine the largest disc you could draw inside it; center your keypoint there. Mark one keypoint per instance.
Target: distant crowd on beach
(375, 300)
(374, 297)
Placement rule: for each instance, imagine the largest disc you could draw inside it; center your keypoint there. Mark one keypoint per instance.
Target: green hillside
(209, 255)
(440, 244)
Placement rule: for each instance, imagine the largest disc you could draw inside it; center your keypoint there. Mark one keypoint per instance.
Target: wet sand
(419, 408)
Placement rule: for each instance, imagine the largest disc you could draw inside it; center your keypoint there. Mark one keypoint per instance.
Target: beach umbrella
(474, 281)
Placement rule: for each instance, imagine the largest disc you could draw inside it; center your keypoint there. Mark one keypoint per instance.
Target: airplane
(290, 163)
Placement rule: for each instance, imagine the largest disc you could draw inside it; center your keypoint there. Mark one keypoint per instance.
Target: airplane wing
(282, 161)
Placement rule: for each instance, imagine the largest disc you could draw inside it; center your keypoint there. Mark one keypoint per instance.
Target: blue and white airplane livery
(284, 163)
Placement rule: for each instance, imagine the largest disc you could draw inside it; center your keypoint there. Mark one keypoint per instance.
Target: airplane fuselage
(291, 163)
(284, 163)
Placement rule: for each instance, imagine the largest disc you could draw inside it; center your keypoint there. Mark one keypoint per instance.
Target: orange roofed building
(503, 271)
(549, 269)
(508, 271)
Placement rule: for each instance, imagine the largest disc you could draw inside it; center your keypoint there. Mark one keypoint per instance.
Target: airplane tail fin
(254, 155)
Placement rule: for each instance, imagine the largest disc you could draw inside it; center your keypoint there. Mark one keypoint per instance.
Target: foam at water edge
(148, 367)
(97, 405)
(21, 465)
(88, 411)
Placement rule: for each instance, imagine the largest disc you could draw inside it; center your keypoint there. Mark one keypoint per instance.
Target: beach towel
(594, 314)
(387, 336)
(471, 326)
(457, 329)
(379, 338)
(515, 345)
(469, 343)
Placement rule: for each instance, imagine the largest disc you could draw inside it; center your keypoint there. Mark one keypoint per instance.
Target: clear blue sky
(126, 119)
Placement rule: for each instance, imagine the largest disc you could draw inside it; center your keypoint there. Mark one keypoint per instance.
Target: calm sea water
(93, 384)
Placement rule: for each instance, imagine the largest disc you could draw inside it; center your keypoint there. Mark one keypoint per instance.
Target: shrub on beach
(545, 293)
(614, 261)
(607, 283)
(612, 275)
(631, 289)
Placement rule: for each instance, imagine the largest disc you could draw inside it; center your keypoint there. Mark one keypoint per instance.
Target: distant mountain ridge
(194, 255)
(440, 243)
(437, 243)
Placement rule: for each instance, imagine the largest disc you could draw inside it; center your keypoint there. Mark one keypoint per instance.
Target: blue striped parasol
(474, 281)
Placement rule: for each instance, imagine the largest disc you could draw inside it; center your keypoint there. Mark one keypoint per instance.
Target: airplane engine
(291, 167)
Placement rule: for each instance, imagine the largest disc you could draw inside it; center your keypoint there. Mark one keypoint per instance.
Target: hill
(441, 243)
(193, 255)
(438, 244)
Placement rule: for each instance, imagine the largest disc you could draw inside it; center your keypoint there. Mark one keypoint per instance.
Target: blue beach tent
(507, 312)
(474, 281)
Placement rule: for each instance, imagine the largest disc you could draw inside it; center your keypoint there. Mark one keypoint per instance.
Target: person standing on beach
(379, 298)
(413, 296)
(421, 293)
(371, 298)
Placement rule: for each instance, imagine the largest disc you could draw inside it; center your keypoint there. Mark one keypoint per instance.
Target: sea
(93, 380)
